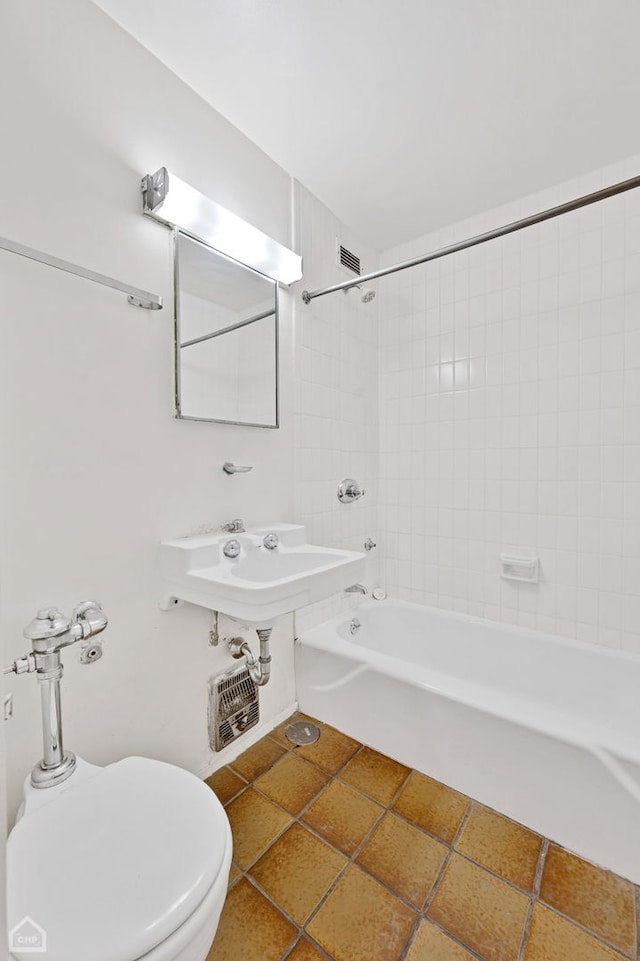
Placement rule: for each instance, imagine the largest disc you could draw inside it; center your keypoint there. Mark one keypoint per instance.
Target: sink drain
(302, 732)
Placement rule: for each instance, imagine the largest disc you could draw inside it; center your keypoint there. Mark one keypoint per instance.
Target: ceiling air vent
(347, 260)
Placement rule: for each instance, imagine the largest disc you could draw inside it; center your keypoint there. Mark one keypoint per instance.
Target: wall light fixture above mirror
(171, 201)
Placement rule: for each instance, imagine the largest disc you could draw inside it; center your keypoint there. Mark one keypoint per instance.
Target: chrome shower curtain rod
(511, 228)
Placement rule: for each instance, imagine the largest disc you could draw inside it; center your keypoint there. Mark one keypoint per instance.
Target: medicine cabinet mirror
(226, 338)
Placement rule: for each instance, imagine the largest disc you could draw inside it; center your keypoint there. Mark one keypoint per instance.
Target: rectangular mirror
(226, 338)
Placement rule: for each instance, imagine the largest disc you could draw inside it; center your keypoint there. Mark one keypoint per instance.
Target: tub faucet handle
(355, 589)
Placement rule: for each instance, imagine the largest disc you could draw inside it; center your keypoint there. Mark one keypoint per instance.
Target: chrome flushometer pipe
(50, 632)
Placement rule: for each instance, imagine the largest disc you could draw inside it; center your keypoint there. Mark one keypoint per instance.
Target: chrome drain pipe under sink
(260, 669)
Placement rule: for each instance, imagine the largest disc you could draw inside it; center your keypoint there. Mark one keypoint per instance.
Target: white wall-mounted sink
(258, 584)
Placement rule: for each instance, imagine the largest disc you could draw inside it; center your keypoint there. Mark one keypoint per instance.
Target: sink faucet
(236, 526)
(355, 589)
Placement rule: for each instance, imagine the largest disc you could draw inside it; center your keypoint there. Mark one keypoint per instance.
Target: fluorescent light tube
(174, 202)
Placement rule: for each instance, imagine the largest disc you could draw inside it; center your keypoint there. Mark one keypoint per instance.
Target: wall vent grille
(234, 707)
(348, 260)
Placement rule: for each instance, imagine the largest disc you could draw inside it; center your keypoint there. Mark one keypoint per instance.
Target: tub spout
(355, 589)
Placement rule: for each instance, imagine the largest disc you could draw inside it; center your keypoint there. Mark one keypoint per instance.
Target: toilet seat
(115, 864)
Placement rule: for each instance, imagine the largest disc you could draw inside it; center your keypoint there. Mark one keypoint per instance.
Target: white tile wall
(510, 417)
(336, 400)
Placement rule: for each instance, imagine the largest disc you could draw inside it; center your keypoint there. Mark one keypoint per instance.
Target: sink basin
(257, 585)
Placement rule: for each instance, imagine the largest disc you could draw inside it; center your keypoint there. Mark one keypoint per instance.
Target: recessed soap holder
(518, 567)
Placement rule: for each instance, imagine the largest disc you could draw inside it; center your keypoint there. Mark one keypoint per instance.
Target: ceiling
(404, 115)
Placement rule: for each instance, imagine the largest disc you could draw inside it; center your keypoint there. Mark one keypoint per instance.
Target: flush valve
(50, 632)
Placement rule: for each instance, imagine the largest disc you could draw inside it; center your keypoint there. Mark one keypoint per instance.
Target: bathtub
(543, 729)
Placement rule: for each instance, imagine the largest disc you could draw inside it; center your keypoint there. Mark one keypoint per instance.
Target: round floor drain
(302, 732)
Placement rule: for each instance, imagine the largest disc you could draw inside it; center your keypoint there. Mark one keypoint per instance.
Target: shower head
(368, 295)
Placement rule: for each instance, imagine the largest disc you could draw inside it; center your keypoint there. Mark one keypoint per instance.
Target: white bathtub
(544, 729)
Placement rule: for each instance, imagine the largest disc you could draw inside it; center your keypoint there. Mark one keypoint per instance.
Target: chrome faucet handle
(271, 541)
(349, 490)
(232, 549)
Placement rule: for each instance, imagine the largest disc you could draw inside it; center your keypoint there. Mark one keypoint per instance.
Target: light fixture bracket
(154, 189)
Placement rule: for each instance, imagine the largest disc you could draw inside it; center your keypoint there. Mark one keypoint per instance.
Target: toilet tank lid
(111, 868)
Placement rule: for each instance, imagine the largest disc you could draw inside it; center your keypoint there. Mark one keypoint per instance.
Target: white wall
(510, 417)
(336, 399)
(95, 469)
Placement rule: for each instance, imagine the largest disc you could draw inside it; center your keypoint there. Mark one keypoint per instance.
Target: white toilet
(121, 863)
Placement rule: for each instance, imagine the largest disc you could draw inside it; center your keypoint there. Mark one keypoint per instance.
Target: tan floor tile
(502, 846)
(250, 928)
(553, 939)
(234, 874)
(597, 899)
(432, 806)
(361, 921)
(279, 735)
(375, 775)
(331, 752)
(342, 816)
(431, 944)
(403, 858)
(292, 782)
(225, 783)
(297, 871)
(305, 951)
(258, 758)
(255, 823)
(481, 911)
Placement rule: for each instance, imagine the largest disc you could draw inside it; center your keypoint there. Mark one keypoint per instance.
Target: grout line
(533, 898)
(456, 940)
(410, 939)
(445, 864)
(592, 934)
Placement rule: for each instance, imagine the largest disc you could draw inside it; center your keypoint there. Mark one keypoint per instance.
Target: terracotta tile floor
(341, 854)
